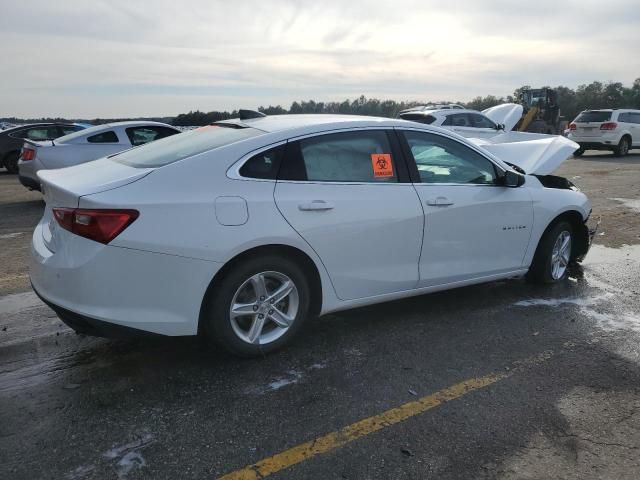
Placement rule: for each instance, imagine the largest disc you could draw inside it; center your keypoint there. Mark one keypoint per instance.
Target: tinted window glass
(635, 118)
(624, 117)
(104, 137)
(67, 129)
(264, 164)
(443, 160)
(480, 121)
(187, 144)
(457, 120)
(349, 157)
(141, 135)
(41, 133)
(594, 116)
(416, 117)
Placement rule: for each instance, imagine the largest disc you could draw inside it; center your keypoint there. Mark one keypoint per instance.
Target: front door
(349, 197)
(474, 227)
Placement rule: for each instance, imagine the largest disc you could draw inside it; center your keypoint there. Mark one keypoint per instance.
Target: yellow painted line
(359, 429)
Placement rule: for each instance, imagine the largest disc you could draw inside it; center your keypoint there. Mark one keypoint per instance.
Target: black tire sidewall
(540, 270)
(216, 317)
(11, 162)
(618, 151)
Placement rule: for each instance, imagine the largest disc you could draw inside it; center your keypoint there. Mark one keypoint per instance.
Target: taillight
(609, 126)
(98, 225)
(572, 126)
(28, 154)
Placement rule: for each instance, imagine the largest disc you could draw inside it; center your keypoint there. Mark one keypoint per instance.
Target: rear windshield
(416, 117)
(177, 147)
(593, 117)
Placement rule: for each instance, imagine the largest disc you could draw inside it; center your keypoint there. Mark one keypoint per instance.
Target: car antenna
(248, 114)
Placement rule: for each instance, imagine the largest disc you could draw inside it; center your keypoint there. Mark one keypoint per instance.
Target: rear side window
(416, 117)
(593, 116)
(264, 165)
(635, 117)
(104, 137)
(187, 144)
(359, 156)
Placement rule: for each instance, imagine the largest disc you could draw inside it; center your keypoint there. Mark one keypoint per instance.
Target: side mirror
(512, 179)
(500, 126)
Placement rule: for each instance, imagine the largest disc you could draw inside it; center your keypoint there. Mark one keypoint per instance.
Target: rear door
(635, 128)
(474, 227)
(349, 197)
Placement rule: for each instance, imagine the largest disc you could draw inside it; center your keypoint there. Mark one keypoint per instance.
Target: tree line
(571, 102)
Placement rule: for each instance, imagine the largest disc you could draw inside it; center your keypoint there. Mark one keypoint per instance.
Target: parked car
(12, 139)
(86, 145)
(616, 130)
(243, 230)
(468, 123)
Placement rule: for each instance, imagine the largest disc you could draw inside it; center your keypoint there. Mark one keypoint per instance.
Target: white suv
(616, 130)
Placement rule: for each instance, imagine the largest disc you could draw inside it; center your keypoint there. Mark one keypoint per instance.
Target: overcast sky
(79, 58)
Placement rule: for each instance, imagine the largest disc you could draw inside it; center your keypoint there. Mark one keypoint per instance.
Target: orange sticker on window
(382, 165)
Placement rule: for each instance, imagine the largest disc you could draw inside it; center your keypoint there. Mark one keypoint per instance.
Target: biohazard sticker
(382, 165)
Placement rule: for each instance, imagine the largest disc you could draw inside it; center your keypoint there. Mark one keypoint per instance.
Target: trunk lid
(535, 153)
(588, 123)
(507, 114)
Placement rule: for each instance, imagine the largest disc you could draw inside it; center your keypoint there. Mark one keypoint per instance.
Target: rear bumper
(606, 141)
(98, 288)
(30, 183)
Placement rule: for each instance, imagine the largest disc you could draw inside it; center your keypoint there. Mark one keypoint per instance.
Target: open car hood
(507, 114)
(534, 153)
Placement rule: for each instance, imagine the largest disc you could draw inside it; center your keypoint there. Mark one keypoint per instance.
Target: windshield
(594, 116)
(81, 133)
(177, 147)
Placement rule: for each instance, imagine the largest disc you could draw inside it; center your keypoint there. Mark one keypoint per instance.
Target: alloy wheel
(560, 255)
(264, 307)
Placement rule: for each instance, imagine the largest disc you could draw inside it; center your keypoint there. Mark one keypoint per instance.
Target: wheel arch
(580, 231)
(288, 251)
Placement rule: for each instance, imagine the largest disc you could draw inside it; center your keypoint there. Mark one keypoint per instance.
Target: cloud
(121, 58)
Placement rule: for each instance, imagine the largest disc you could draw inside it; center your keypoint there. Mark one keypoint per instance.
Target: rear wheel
(551, 260)
(623, 147)
(11, 162)
(258, 307)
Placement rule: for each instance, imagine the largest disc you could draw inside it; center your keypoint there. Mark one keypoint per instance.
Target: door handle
(439, 202)
(315, 205)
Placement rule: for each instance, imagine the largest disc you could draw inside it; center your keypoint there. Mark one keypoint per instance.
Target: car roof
(312, 122)
(447, 111)
(134, 123)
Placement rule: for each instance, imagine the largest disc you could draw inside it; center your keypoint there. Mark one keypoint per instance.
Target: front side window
(104, 137)
(141, 135)
(358, 156)
(635, 117)
(457, 120)
(480, 121)
(444, 160)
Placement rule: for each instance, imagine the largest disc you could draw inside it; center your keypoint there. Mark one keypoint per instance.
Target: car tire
(579, 152)
(236, 333)
(11, 162)
(623, 147)
(551, 261)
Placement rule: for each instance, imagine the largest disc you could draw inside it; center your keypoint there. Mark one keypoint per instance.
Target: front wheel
(551, 260)
(579, 152)
(258, 307)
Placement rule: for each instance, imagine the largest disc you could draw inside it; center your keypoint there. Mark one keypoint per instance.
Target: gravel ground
(563, 402)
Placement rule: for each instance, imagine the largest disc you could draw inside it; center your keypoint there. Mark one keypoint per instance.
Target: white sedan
(469, 123)
(85, 146)
(243, 230)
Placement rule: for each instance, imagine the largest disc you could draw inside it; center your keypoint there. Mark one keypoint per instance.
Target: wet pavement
(564, 401)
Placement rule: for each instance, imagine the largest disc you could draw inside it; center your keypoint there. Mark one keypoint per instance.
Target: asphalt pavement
(503, 380)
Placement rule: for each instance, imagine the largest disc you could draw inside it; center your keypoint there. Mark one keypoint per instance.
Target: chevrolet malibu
(243, 230)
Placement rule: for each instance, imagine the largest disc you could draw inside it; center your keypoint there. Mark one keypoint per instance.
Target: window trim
(413, 167)
(403, 174)
(233, 172)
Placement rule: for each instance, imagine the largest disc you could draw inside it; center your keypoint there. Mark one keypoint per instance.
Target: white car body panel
(57, 154)
(508, 114)
(154, 275)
